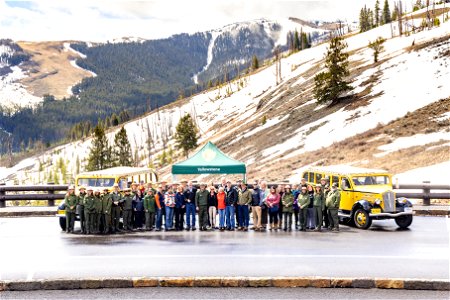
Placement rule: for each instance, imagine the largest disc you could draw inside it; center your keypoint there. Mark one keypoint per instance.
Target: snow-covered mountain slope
(49, 68)
(234, 45)
(277, 129)
(13, 94)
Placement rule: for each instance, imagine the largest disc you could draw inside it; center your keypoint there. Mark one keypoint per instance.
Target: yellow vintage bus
(123, 176)
(366, 195)
(106, 178)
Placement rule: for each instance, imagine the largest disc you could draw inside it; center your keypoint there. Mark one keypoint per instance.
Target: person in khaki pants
(256, 207)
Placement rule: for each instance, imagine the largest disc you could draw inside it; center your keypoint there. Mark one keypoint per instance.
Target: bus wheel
(362, 219)
(404, 221)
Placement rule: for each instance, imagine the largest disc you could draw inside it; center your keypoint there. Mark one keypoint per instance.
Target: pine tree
(377, 47)
(99, 155)
(114, 120)
(122, 154)
(386, 18)
(377, 13)
(330, 84)
(186, 135)
(296, 41)
(255, 63)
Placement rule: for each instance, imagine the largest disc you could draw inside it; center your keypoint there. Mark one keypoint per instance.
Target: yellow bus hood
(375, 189)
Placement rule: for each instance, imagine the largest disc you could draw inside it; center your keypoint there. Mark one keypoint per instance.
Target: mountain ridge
(277, 128)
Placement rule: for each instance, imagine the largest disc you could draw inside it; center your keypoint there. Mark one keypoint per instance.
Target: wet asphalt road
(228, 293)
(35, 248)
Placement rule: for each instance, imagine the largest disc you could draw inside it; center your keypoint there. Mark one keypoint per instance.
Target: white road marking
(205, 256)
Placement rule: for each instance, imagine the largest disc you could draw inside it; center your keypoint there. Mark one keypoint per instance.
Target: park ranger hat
(116, 185)
(82, 188)
(127, 190)
(71, 187)
(90, 189)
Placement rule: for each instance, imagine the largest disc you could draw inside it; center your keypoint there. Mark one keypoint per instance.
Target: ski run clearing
(405, 80)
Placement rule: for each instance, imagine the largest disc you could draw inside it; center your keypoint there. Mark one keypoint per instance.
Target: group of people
(174, 207)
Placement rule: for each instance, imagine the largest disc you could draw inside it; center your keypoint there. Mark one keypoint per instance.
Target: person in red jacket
(221, 205)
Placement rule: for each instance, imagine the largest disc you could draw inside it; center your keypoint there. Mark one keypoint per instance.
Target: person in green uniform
(150, 209)
(288, 208)
(98, 211)
(89, 210)
(324, 183)
(127, 201)
(80, 208)
(71, 201)
(201, 202)
(115, 210)
(332, 203)
(319, 206)
(107, 207)
(303, 202)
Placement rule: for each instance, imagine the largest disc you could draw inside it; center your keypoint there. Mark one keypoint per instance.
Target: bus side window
(318, 177)
(305, 176)
(345, 184)
(311, 177)
(335, 179)
(122, 184)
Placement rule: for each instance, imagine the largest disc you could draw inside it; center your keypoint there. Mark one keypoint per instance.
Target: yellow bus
(366, 195)
(123, 176)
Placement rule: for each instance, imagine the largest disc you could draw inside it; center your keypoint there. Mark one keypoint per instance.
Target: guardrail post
(51, 202)
(426, 193)
(2, 193)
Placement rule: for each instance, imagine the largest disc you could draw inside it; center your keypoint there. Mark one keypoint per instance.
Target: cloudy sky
(108, 19)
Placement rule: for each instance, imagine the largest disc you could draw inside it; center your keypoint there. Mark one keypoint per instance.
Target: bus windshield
(371, 180)
(96, 182)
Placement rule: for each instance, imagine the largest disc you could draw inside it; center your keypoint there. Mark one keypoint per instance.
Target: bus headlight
(401, 200)
(377, 201)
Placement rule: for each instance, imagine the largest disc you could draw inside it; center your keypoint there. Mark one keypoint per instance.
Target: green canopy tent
(209, 160)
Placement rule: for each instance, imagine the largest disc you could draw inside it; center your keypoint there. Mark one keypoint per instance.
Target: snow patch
(411, 141)
(13, 94)
(68, 48)
(435, 174)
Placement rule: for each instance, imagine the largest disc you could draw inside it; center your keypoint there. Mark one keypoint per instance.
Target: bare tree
(400, 18)
(277, 53)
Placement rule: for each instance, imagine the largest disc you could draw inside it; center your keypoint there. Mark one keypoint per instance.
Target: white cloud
(106, 20)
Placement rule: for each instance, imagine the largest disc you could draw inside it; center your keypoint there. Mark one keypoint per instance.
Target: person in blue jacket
(179, 208)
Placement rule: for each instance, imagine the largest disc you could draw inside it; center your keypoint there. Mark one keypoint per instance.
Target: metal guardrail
(401, 191)
(426, 195)
(50, 196)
